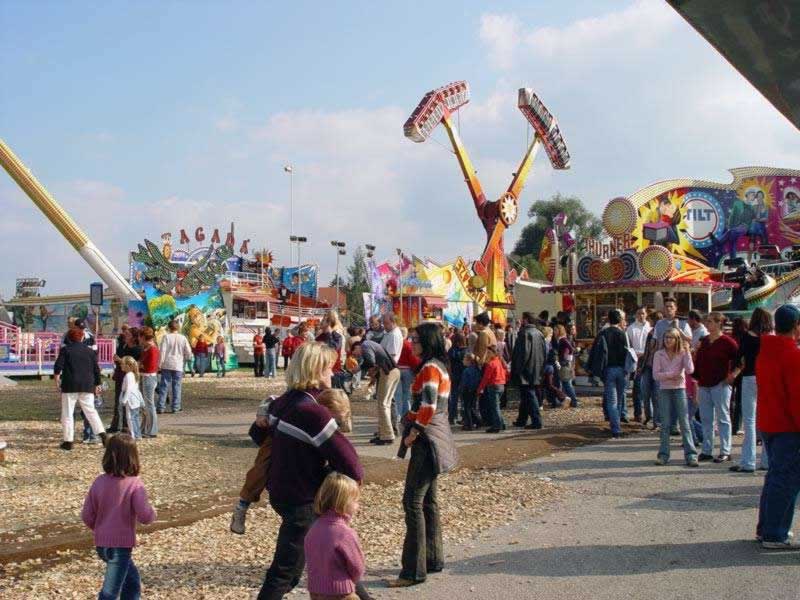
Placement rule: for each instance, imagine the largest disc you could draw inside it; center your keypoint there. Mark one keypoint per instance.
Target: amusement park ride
(491, 272)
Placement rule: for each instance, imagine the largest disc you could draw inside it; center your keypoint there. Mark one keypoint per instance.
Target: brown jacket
(485, 339)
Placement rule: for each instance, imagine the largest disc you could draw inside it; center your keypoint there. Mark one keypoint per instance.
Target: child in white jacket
(130, 396)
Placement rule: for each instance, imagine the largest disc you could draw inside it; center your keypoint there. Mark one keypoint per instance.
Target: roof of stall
(703, 286)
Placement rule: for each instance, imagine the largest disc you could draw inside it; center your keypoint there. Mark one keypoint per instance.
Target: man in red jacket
(778, 420)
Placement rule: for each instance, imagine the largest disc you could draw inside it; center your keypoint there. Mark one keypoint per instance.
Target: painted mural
(53, 316)
(203, 313)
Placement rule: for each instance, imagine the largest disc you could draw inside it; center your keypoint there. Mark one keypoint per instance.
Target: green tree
(528, 262)
(356, 284)
(581, 222)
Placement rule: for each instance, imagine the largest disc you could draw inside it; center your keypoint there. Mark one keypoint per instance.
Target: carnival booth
(709, 245)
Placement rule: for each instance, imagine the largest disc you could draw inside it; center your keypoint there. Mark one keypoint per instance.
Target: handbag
(630, 360)
(565, 373)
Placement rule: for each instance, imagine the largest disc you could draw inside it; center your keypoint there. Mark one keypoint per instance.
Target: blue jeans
(637, 396)
(569, 390)
(715, 407)
(529, 407)
(134, 422)
(149, 384)
(673, 402)
(201, 363)
(170, 380)
(491, 398)
(272, 361)
(749, 396)
(781, 486)
(402, 394)
(122, 577)
(88, 434)
(220, 366)
(614, 394)
(648, 388)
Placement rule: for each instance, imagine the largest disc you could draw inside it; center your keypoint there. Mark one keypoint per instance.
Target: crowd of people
(684, 373)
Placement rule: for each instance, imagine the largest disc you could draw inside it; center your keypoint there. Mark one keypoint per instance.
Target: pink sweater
(112, 507)
(334, 559)
(669, 372)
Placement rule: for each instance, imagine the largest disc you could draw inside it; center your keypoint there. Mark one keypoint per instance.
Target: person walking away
(130, 347)
(392, 342)
(455, 357)
(490, 389)
(376, 360)
(778, 420)
(433, 452)
(715, 372)
(201, 359)
(671, 365)
(470, 380)
(739, 329)
(271, 343)
(77, 378)
(607, 359)
(334, 558)
(149, 377)
(221, 355)
(637, 337)
(88, 339)
(306, 443)
(566, 360)
(484, 337)
(760, 325)
(527, 367)
(173, 351)
(644, 368)
(550, 380)
(131, 397)
(115, 502)
(259, 350)
(407, 364)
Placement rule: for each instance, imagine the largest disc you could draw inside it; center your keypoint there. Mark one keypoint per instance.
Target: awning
(254, 297)
(435, 301)
(624, 285)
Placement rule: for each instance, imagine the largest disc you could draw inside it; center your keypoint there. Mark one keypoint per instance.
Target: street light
(340, 251)
(400, 280)
(370, 250)
(288, 169)
(297, 239)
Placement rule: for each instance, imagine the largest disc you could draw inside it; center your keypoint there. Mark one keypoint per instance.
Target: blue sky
(146, 117)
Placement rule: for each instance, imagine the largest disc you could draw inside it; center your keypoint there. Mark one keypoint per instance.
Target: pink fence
(26, 352)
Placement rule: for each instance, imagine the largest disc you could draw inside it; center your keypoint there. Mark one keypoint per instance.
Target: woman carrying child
(115, 502)
(333, 552)
(432, 452)
(305, 443)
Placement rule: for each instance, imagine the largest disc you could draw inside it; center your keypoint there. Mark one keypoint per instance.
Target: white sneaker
(788, 544)
(238, 519)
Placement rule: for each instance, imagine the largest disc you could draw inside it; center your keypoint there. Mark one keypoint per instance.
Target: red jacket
(494, 373)
(290, 345)
(778, 379)
(407, 358)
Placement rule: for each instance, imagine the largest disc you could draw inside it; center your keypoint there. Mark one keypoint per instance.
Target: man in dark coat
(77, 375)
(527, 366)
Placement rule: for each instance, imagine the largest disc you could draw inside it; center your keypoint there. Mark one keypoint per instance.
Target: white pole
(291, 214)
(299, 282)
(337, 278)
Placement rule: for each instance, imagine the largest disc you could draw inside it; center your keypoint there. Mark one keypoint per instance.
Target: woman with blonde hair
(130, 397)
(671, 365)
(305, 443)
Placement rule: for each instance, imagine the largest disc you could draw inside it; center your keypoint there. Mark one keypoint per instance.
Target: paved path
(624, 529)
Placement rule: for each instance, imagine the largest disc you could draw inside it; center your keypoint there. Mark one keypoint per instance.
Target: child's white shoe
(238, 519)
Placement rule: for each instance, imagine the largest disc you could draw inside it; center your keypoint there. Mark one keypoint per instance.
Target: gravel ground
(204, 560)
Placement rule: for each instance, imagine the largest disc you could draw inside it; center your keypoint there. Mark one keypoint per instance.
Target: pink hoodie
(334, 559)
(112, 507)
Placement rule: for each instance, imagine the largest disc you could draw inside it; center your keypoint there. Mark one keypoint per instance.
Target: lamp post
(297, 239)
(288, 169)
(400, 280)
(340, 251)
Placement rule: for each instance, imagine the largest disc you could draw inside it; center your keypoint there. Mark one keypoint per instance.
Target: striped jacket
(306, 444)
(428, 414)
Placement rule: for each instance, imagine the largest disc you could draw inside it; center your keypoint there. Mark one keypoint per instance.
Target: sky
(147, 117)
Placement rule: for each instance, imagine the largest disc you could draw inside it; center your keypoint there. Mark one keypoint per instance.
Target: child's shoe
(238, 519)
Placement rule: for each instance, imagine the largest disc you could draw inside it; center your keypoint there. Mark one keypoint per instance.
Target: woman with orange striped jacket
(432, 452)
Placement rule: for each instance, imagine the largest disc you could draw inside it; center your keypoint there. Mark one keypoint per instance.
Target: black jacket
(528, 356)
(80, 372)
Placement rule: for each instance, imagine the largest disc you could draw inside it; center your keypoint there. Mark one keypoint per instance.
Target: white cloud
(501, 34)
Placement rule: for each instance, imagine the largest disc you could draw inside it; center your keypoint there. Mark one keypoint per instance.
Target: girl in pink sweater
(333, 553)
(671, 365)
(114, 503)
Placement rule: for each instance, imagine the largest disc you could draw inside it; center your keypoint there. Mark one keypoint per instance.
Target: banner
(307, 279)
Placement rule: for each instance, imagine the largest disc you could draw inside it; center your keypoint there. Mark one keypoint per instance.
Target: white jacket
(174, 351)
(130, 395)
